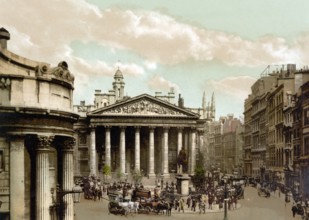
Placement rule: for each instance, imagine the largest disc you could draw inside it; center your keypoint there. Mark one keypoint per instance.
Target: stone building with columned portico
(36, 136)
(136, 133)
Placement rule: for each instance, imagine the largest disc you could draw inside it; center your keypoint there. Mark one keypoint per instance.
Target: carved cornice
(60, 72)
(44, 142)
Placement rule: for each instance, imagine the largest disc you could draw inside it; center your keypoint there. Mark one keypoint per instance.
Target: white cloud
(50, 28)
(158, 83)
(150, 65)
(130, 69)
(232, 87)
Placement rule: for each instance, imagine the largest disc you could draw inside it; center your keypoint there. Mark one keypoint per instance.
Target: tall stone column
(92, 153)
(179, 143)
(186, 144)
(42, 177)
(137, 153)
(122, 150)
(192, 151)
(165, 152)
(108, 146)
(151, 159)
(17, 178)
(67, 176)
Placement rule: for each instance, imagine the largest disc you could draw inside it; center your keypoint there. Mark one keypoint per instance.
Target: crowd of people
(201, 199)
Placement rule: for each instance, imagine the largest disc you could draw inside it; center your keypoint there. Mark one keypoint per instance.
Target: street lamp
(225, 198)
(59, 206)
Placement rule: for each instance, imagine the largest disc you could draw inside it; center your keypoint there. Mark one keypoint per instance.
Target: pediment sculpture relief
(143, 107)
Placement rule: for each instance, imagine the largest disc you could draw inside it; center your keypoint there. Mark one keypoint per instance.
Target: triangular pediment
(143, 105)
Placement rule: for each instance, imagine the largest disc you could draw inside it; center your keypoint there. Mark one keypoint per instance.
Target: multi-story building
(230, 148)
(142, 133)
(36, 137)
(301, 140)
(258, 122)
(225, 144)
(247, 158)
(288, 140)
(278, 98)
(264, 140)
(286, 122)
(218, 127)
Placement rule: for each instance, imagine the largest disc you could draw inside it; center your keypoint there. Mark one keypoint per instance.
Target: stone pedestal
(183, 184)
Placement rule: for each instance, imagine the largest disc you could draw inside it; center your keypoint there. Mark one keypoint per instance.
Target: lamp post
(59, 205)
(225, 198)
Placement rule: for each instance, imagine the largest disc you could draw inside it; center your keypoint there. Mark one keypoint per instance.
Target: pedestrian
(181, 205)
(161, 183)
(189, 201)
(202, 206)
(294, 209)
(193, 204)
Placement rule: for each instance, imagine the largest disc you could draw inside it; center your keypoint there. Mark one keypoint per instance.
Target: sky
(196, 46)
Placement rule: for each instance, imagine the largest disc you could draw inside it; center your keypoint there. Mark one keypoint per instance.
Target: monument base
(183, 184)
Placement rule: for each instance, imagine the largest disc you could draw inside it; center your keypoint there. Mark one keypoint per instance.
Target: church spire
(213, 101)
(204, 105)
(213, 105)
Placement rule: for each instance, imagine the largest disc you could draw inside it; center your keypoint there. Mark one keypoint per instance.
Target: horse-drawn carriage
(140, 193)
(238, 191)
(119, 205)
(301, 210)
(264, 192)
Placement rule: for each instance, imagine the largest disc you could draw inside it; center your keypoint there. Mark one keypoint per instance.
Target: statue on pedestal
(182, 162)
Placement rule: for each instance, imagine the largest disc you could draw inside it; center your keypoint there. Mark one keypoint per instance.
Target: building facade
(283, 118)
(142, 133)
(36, 136)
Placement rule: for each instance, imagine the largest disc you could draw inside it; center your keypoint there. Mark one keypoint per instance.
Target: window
(306, 147)
(1, 161)
(82, 139)
(306, 116)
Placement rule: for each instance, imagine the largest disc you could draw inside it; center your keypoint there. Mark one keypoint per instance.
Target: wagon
(263, 192)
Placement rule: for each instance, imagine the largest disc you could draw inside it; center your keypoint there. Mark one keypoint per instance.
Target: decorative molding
(44, 142)
(69, 144)
(5, 83)
(143, 107)
(60, 72)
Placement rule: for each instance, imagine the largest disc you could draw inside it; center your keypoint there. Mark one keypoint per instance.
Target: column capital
(200, 132)
(137, 127)
(180, 128)
(44, 142)
(122, 128)
(166, 128)
(152, 128)
(107, 126)
(69, 143)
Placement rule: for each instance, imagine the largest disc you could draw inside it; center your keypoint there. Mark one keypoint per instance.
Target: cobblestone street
(252, 207)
